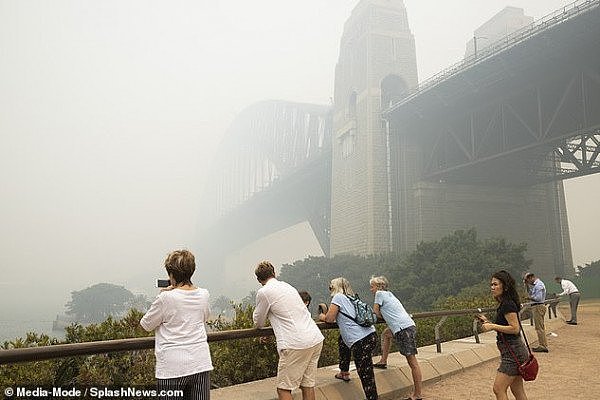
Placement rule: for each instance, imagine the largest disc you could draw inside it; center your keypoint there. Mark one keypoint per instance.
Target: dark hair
(509, 290)
(305, 297)
(181, 264)
(264, 270)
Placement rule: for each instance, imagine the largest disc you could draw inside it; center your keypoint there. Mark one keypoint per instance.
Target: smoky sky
(110, 112)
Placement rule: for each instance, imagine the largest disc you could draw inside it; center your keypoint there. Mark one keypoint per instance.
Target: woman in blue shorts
(388, 307)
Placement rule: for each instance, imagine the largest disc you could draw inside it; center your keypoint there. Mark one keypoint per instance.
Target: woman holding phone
(178, 315)
(508, 337)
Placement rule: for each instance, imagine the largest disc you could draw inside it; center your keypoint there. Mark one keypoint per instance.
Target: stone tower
(376, 65)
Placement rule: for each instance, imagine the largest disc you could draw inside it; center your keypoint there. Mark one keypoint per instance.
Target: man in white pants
(569, 288)
(299, 340)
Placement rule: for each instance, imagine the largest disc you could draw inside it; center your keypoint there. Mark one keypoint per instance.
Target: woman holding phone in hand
(178, 315)
(508, 337)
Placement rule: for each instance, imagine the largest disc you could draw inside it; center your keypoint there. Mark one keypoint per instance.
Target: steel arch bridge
(271, 171)
(524, 112)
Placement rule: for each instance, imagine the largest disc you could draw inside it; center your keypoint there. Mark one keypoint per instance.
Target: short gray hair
(380, 282)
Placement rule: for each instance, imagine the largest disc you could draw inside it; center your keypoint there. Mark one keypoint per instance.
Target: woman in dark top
(508, 335)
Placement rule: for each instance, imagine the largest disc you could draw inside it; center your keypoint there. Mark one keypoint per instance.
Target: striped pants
(194, 387)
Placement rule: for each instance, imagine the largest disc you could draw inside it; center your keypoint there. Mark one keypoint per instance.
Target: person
(552, 301)
(386, 344)
(508, 338)
(537, 294)
(570, 289)
(305, 296)
(404, 329)
(178, 316)
(299, 340)
(355, 340)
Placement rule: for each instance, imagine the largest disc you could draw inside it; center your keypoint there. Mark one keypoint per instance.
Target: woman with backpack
(356, 340)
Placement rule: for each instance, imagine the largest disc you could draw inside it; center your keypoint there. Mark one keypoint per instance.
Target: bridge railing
(12, 356)
(559, 16)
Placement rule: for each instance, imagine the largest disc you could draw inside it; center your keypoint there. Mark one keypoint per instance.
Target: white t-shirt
(180, 339)
(291, 321)
(568, 287)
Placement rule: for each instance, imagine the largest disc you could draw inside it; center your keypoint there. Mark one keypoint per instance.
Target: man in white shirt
(299, 340)
(569, 288)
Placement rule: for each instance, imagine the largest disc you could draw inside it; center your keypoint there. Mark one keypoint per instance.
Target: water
(11, 329)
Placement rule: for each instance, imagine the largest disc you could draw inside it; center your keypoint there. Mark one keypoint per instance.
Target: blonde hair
(340, 285)
(380, 282)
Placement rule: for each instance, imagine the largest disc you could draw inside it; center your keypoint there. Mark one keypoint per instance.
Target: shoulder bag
(529, 369)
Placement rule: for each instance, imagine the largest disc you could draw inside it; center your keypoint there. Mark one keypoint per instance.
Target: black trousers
(362, 351)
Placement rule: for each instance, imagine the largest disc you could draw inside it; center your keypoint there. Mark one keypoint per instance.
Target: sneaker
(539, 350)
(571, 323)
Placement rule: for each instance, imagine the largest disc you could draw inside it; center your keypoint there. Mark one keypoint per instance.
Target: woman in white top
(178, 315)
(356, 339)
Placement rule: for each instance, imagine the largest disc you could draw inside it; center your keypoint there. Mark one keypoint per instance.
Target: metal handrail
(11, 356)
(559, 16)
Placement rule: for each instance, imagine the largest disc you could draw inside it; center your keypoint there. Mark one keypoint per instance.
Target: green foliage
(439, 269)
(34, 373)
(132, 368)
(588, 280)
(97, 302)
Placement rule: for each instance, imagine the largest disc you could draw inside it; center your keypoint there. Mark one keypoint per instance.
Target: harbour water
(11, 329)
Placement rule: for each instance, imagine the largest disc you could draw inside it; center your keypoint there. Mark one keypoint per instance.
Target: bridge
(485, 144)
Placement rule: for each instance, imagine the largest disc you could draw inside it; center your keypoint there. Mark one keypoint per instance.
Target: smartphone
(163, 282)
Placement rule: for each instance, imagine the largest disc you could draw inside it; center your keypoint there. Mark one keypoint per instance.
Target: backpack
(365, 316)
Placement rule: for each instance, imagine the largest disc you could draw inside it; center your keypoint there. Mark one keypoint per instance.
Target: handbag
(529, 369)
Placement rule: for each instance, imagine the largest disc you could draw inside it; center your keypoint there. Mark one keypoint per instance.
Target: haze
(110, 112)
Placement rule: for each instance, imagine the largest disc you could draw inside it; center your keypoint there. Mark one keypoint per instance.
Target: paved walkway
(569, 371)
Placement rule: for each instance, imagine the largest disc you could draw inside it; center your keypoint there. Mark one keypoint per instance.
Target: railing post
(438, 340)
(475, 331)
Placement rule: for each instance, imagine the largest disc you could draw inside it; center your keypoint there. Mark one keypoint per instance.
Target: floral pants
(363, 358)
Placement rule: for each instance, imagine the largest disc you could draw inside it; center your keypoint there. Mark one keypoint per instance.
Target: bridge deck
(568, 371)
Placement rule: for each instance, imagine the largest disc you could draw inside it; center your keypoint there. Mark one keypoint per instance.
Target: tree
(434, 270)
(222, 305)
(97, 302)
(588, 280)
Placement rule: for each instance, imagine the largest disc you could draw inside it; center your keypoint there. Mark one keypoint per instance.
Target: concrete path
(571, 370)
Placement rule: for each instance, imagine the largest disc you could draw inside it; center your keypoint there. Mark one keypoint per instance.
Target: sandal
(345, 376)
(380, 365)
